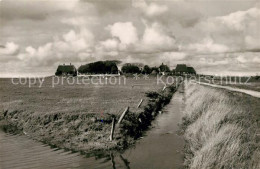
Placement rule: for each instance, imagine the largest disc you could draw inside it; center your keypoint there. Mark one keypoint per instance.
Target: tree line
(132, 68)
(110, 67)
(99, 67)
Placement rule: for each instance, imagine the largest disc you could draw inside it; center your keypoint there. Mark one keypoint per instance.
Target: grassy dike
(134, 125)
(221, 128)
(85, 132)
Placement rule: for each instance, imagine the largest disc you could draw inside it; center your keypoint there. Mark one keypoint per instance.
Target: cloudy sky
(215, 37)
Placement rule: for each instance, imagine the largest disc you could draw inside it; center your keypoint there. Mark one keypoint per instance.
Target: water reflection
(119, 158)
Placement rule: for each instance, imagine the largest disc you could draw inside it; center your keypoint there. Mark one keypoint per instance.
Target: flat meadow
(77, 115)
(75, 98)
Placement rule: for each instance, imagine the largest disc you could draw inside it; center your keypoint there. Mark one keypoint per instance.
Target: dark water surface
(161, 148)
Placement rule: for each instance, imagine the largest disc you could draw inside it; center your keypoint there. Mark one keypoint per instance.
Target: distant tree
(164, 68)
(156, 69)
(84, 68)
(114, 69)
(58, 73)
(66, 70)
(147, 69)
(129, 68)
(110, 67)
(99, 67)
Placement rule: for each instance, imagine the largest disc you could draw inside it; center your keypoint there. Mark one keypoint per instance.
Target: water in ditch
(161, 147)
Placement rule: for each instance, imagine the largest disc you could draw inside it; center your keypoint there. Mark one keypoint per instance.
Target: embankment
(85, 132)
(135, 124)
(221, 128)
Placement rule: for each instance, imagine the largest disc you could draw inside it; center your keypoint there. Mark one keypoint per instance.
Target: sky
(215, 37)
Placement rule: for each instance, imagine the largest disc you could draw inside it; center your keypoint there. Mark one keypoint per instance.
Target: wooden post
(140, 103)
(112, 130)
(122, 116)
(140, 120)
(164, 88)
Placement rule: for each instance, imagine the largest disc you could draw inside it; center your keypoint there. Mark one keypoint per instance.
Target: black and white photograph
(129, 84)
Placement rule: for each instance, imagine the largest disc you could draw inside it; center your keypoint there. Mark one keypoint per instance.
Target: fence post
(122, 116)
(164, 88)
(140, 103)
(112, 130)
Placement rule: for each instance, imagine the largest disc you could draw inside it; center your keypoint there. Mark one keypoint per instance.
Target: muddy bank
(85, 132)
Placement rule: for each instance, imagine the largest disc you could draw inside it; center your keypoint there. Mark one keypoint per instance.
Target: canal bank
(161, 147)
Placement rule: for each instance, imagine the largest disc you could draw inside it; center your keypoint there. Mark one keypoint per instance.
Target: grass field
(75, 116)
(221, 128)
(77, 98)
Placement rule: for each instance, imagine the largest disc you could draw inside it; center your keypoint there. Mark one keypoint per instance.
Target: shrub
(147, 70)
(152, 95)
(164, 68)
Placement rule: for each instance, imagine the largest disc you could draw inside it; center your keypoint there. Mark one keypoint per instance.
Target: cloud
(125, 39)
(241, 19)
(38, 56)
(174, 55)
(125, 31)
(10, 48)
(107, 49)
(76, 42)
(223, 35)
(168, 13)
(207, 46)
(241, 59)
(72, 46)
(256, 59)
(241, 63)
(248, 58)
(150, 10)
(110, 44)
(239, 31)
(252, 42)
(156, 38)
(80, 21)
(108, 6)
(34, 10)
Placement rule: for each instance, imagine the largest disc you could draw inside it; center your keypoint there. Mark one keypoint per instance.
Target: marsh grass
(220, 128)
(76, 117)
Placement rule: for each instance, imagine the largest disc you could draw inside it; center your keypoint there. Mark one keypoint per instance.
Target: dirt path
(249, 92)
